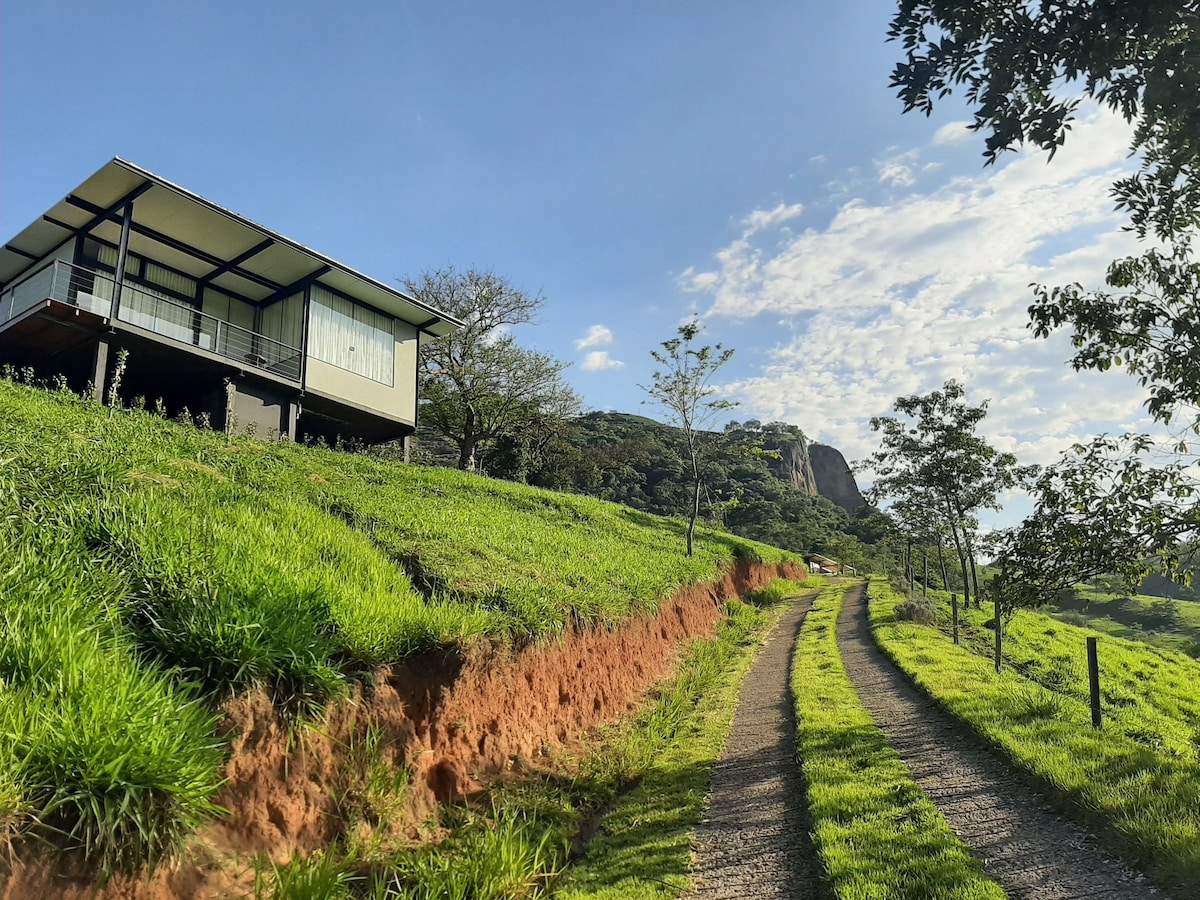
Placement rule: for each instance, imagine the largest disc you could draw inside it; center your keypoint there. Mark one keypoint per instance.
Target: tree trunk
(962, 562)
(970, 545)
(999, 629)
(942, 565)
(466, 446)
(925, 582)
(695, 515)
(696, 484)
(466, 456)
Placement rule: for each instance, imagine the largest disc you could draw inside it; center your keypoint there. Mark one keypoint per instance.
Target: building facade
(218, 315)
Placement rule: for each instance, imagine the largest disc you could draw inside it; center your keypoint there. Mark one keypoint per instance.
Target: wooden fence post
(1094, 680)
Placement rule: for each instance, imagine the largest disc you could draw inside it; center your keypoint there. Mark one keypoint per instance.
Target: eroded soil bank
(453, 721)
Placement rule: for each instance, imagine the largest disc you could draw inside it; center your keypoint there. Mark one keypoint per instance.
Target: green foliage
(1145, 797)
(877, 833)
(1025, 68)
(318, 876)
(940, 472)
(637, 462)
(683, 387)
(505, 856)
(477, 384)
(1101, 510)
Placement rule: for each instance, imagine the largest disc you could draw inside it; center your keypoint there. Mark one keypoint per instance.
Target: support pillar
(287, 425)
(100, 368)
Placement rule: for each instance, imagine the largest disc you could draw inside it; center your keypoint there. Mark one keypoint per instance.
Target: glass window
(351, 336)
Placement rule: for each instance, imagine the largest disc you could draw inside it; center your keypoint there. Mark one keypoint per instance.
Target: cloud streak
(921, 275)
(597, 336)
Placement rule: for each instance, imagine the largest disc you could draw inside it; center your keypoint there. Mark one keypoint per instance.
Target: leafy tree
(683, 387)
(477, 385)
(1024, 67)
(1132, 517)
(938, 468)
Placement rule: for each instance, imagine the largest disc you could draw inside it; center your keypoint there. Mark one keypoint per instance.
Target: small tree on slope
(683, 387)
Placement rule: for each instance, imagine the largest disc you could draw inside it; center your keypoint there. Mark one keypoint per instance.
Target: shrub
(918, 609)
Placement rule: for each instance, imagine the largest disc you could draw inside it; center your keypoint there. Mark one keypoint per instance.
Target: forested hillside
(760, 480)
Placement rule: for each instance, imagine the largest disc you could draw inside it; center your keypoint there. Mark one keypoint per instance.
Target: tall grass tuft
(101, 753)
(505, 857)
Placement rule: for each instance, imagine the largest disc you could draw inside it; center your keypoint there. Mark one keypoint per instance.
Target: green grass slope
(150, 567)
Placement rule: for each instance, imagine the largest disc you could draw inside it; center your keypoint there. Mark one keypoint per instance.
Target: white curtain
(352, 337)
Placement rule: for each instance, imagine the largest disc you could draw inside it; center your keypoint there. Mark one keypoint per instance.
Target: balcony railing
(149, 310)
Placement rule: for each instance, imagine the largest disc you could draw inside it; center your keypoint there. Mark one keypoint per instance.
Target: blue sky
(633, 162)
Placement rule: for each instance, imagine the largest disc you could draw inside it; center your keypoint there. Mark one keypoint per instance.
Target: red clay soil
(455, 721)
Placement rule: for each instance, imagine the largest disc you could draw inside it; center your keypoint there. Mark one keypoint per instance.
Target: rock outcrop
(833, 477)
(794, 464)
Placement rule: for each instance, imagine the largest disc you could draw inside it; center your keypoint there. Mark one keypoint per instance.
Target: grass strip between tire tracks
(1146, 803)
(877, 833)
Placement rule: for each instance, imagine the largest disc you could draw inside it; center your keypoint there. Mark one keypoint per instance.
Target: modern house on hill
(218, 314)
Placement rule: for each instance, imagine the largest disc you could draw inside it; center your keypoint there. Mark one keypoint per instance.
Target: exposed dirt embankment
(454, 721)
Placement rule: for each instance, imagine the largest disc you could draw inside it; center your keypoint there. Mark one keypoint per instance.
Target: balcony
(150, 311)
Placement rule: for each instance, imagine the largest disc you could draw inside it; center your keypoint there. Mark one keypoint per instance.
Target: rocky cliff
(833, 477)
(816, 469)
(794, 464)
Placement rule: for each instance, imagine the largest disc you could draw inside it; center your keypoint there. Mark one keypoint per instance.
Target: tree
(477, 386)
(1025, 67)
(1100, 511)
(933, 461)
(683, 387)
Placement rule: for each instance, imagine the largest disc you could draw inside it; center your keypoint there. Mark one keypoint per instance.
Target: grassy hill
(152, 568)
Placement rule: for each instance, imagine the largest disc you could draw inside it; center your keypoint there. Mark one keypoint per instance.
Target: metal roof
(177, 228)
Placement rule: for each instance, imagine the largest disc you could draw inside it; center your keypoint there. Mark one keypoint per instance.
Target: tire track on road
(1031, 851)
(754, 838)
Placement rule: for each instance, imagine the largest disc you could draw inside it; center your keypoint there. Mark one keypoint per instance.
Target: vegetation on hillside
(183, 564)
(638, 462)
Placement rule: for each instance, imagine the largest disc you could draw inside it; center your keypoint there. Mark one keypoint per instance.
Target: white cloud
(893, 296)
(599, 360)
(953, 133)
(897, 170)
(597, 336)
(761, 219)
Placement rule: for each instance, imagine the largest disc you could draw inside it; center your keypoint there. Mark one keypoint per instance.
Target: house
(218, 314)
(823, 565)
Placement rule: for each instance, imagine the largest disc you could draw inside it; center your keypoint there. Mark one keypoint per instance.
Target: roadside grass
(152, 568)
(100, 752)
(1147, 694)
(1145, 802)
(640, 785)
(877, 833)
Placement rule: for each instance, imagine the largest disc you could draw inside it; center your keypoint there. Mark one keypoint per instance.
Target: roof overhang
(177, 228)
